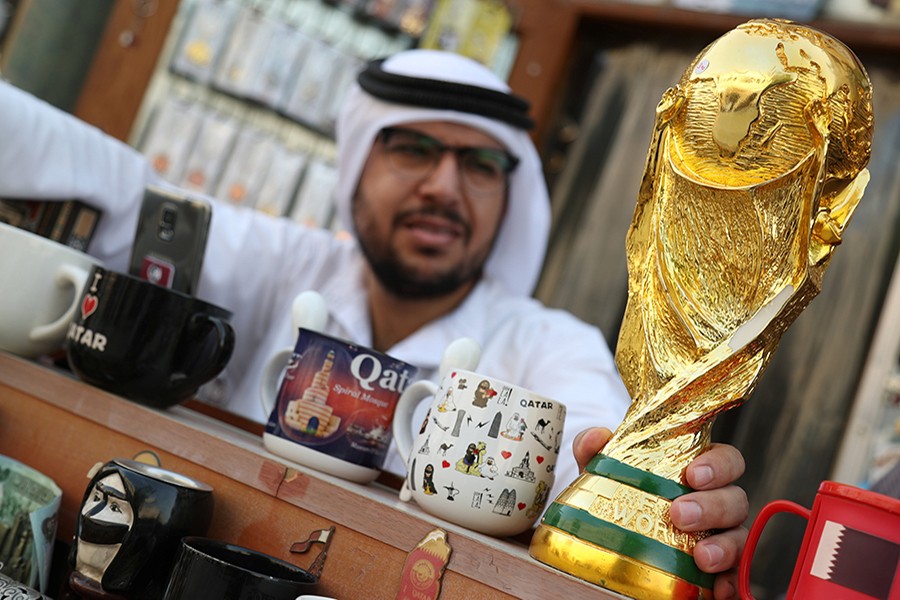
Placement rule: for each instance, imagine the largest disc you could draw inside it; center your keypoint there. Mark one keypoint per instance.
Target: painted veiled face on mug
(106, 518)
(132, 518)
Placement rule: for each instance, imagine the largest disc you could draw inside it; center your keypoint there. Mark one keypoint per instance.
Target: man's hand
(717, 504)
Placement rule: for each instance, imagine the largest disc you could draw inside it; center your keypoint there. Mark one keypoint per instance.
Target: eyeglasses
(416, 155)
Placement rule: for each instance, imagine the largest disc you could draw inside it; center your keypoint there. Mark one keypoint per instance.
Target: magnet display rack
(242, 103)
(546, 31)
(236, 81)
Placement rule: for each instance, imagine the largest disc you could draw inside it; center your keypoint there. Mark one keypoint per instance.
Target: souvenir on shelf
(283, 55)
(241, 60)
(312, 90)
(282, 179)
(247, 167)
(330, 402)
(756, 165)
(486, 31)
(314, 203)
(473, 28)
(346, 69)
(205, 34)
(208, 568)
(132, 518)
(851, 548)
(410, 16)
(170, 136)
(209, 152)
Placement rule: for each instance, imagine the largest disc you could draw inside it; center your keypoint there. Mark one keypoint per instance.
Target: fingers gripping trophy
(756, 164)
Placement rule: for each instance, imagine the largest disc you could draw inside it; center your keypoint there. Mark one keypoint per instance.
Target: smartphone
(170, 240)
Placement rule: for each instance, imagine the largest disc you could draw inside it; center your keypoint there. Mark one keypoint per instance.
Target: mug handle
(403, 414)
(66, 275)
(269, 383)
(402, 423)
(768, 511)
(224, 347)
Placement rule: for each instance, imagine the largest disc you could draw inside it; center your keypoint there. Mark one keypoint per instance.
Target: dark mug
(208, 568)
(131, 522)
(150, 344)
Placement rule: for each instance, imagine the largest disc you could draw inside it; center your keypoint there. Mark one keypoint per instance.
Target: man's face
(427, 236)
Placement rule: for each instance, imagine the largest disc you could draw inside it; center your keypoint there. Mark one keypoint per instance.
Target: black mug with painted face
(132, 519)
(150, 344)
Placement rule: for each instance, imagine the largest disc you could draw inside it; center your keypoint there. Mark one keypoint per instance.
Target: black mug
(130, 525)
(208, 568)
(150, 344)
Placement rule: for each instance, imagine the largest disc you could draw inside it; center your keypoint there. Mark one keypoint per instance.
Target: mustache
(444, 212)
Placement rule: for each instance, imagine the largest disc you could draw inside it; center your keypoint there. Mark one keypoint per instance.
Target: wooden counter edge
(371, 510)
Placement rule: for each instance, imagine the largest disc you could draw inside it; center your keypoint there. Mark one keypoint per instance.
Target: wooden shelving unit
(62, 427)
(547, 30)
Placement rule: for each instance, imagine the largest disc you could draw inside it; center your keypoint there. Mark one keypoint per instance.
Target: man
(443, 189)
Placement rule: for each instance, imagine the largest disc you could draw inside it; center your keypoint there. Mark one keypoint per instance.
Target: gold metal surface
(756, 164)
(611, 570)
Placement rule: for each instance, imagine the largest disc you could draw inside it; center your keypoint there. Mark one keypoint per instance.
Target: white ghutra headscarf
(430, 85)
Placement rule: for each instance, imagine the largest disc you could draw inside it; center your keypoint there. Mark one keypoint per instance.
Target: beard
(407, 280)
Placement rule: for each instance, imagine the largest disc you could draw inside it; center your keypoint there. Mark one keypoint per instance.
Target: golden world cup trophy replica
(756, 165)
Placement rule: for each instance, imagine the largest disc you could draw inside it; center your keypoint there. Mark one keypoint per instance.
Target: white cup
(485, 455)
(42, 281)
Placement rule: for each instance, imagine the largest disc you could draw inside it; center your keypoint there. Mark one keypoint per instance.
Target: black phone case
(170, 240)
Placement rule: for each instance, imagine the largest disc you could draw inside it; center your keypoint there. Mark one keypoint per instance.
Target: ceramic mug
(208, 568)
(130, 525)
(851, 548)
(147, 343)
(334, 405)
(42, 281)
(485, 455)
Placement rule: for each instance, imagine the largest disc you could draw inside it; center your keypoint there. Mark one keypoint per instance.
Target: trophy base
(611, 527)
(609, 569)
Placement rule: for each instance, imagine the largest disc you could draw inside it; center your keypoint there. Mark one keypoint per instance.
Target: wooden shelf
(62, 427)
(856, 35)
(550, 31)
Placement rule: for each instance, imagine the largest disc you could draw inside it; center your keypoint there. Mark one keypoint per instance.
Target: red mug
(850, 551)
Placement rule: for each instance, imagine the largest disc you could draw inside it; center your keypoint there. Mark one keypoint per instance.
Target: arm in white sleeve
(48, 154)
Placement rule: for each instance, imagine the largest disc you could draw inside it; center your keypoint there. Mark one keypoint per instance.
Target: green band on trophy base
(611, 468)
(588, 528)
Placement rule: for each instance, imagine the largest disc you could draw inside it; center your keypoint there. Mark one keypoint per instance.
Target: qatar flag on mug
(856, 560)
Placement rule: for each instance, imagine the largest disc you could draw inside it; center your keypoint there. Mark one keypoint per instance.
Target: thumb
(588, 443)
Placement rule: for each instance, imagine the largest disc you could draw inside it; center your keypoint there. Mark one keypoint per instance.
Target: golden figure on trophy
(757, 161)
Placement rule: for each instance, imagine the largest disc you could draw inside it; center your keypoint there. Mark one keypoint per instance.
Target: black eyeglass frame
(512, 161)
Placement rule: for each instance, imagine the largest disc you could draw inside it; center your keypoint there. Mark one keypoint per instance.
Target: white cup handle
(268, 385)
(403, 414)
(67, 275)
